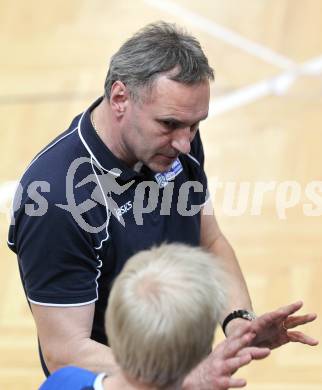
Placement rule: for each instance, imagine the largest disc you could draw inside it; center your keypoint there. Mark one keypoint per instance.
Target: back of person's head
(155, 49)
(162, 313)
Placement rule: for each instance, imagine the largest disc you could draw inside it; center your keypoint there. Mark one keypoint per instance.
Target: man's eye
(170, 125)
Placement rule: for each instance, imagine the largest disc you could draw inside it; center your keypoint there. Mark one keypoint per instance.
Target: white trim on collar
(88, 148)
(98, 383)
(193, 159)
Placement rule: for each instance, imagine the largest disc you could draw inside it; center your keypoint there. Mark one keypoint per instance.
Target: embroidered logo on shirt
(164, 177)
(123, 209)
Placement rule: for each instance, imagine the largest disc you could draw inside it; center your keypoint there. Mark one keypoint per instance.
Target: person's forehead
(171, 98)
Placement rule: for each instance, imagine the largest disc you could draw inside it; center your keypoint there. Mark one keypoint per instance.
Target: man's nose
(181, 140)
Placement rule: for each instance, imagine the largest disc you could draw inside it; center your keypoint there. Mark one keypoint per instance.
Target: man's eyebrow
(176, 121)
(172, 120)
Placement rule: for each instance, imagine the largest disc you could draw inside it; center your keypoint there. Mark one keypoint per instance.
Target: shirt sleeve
(57, 261)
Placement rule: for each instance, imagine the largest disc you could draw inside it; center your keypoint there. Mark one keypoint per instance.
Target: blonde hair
(162, 312)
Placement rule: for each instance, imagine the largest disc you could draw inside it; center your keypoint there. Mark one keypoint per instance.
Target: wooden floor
(265, 126)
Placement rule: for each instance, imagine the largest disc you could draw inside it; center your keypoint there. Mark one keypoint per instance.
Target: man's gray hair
(162, 313)
(158, 48)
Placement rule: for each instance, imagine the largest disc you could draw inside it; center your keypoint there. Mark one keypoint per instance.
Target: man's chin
(160, 165)
(158, 168)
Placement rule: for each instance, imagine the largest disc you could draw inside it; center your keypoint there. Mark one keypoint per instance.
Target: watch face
(248, 315)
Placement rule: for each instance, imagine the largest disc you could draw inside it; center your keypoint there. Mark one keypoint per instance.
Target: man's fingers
(236, 335)
(235, 344)
(237, 383)
(255, 352)
(290, 309)
(275, 316)
(292, 322)
(285, 311)
(299, 337)
(233, 364)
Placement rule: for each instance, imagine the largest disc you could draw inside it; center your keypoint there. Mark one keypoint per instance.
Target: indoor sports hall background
(264, 133)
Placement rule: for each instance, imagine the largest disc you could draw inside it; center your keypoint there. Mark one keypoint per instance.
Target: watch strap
(241, 313)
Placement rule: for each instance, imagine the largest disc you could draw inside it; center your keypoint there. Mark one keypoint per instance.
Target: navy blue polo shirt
(80, 213)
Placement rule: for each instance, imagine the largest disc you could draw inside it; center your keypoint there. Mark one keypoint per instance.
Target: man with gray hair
(131, 168)
(162, 313)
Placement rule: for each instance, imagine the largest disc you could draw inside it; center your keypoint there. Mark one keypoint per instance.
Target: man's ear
(119, 98)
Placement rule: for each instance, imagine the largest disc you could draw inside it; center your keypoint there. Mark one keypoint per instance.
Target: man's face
(162, 125)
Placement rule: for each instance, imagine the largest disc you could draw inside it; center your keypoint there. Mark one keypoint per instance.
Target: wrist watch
(244, 314)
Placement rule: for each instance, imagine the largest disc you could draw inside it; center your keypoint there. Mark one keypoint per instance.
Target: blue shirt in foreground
(73, 378)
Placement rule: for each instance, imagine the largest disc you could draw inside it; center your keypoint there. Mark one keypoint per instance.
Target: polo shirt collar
(98, 150)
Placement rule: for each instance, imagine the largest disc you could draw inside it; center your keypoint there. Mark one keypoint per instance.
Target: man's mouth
(168, 158)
